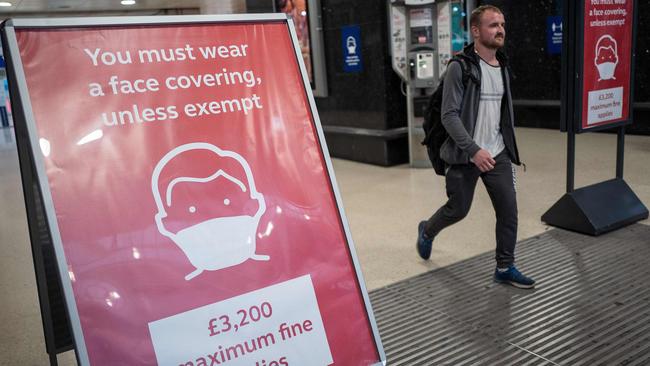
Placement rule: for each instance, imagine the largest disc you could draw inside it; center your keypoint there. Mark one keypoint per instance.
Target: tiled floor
(383, 206)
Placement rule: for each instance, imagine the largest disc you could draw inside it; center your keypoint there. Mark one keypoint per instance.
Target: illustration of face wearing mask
(208, 206)
(606, 57)
(351, 44)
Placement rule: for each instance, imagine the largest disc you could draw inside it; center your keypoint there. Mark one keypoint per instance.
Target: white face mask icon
(214, 243)
(606, 57)
(351, 43)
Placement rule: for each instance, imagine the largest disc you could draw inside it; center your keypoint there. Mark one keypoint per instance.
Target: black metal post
(620, 152)
(570, 160)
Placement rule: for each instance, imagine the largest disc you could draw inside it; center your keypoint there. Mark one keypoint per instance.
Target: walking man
(477, 114)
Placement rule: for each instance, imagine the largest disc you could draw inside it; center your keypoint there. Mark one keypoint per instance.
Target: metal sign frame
(579, 71)
(605, 206)
(572, 87)
(24, 115)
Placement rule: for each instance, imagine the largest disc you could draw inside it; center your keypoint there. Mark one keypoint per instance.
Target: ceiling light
(5, 3)
(127, 2)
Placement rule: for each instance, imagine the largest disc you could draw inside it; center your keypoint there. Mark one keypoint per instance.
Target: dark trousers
(500, 184)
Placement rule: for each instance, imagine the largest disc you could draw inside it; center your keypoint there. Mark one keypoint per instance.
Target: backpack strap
(466, 70)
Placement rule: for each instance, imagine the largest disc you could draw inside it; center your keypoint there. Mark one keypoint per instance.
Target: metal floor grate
(591, 306)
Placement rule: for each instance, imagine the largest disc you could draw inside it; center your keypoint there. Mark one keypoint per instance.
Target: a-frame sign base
(597, 209)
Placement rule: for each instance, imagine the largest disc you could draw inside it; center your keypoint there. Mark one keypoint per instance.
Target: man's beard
(495, 43)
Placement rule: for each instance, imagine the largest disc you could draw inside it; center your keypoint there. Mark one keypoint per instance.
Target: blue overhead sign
(351, 37)
(554, 35)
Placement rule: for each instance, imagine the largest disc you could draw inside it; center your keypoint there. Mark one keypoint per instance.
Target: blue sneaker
(423, 243)
(513, 277)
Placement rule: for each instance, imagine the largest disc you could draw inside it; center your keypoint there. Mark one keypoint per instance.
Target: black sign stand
(605, 206)
(54, 314)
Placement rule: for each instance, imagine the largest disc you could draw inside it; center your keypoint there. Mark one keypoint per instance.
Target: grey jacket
(460, 108)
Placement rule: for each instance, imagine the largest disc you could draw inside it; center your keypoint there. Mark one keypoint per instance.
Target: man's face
(491, 32)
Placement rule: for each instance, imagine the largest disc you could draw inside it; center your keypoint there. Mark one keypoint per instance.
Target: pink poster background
(124, 272)
(623, 36)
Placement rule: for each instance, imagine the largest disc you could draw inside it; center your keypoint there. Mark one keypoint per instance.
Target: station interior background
(364, 120)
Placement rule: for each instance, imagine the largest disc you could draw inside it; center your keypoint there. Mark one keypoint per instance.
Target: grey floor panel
(591, 306)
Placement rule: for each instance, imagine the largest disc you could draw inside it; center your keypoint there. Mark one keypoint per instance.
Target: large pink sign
(193, 199)
(607, 62)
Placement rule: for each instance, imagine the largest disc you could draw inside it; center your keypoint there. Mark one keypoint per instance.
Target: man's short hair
(475, 18)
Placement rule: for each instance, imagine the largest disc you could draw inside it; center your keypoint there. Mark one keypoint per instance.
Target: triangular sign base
(597, 209)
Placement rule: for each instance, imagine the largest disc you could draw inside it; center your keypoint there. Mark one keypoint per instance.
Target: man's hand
(483, 161)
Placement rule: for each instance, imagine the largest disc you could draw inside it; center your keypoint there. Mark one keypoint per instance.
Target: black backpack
(435, 133)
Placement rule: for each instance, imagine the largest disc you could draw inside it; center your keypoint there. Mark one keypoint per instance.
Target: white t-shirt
(487, 132)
